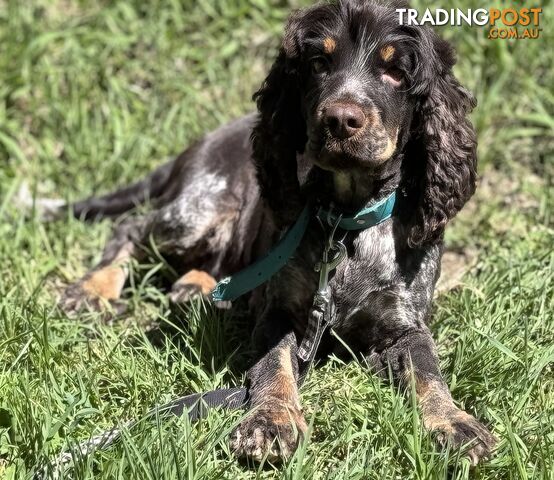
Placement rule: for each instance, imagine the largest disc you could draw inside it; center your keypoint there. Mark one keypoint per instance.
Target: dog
(355, 107)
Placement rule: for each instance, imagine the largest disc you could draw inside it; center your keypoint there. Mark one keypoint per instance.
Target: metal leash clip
(326, 266)
(322, 311)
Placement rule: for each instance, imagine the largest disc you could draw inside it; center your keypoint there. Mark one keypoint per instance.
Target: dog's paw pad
(76, 299)
(461, 430)
(184, 292)
(269, 433)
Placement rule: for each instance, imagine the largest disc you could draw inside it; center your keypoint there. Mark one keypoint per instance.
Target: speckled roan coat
(401, 126)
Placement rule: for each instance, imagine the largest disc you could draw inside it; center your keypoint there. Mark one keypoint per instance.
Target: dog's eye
(319, 65)
(393, 75)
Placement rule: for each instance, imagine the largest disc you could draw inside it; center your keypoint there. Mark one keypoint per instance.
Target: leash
(196, 405)
(321, 315)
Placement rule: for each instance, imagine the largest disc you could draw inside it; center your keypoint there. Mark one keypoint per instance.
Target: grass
(94, 94)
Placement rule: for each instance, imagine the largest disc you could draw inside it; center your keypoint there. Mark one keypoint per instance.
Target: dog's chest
(370, 268)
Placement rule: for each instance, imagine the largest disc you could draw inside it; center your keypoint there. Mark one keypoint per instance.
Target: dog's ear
(443, 140)
(280, 132)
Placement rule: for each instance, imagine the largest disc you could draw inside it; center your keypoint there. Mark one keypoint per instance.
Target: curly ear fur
(279, 134)
(277, 137)
(445, 141)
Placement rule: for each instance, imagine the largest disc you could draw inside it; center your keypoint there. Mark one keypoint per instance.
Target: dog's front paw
(461, 430)
(271, 432)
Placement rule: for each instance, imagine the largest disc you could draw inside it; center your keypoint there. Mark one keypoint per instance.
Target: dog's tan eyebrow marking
(329, 45)
(387, 52)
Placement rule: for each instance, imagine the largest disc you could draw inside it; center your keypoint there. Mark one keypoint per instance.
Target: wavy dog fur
(354, 107)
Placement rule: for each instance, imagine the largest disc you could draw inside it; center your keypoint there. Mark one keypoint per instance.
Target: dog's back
(205, 217)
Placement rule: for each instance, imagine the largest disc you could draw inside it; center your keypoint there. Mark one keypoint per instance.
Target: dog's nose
(343, 119)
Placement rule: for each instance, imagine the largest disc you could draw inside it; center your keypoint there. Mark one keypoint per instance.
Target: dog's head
(351, 90)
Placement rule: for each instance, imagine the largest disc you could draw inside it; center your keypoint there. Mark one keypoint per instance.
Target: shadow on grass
(214, 339)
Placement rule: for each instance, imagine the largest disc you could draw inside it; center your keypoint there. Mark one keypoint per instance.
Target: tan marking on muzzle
(387, 53)
(390, 148)
(329, 45)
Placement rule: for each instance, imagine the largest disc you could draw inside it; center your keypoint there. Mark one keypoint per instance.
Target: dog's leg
(203, 229)
(413, 358)
(275, 423)
(102, 286)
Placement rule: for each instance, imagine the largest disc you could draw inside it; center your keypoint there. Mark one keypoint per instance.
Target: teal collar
(364, 218)
(251, 277)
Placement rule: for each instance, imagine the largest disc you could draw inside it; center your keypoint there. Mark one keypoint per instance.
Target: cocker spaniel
(354, 107)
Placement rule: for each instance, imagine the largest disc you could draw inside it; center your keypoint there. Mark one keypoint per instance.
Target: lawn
(94, 94)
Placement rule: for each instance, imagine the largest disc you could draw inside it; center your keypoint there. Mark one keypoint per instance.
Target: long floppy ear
(445, 141)
(280, 132)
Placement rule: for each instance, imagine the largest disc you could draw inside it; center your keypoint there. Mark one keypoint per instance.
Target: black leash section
(196, 405)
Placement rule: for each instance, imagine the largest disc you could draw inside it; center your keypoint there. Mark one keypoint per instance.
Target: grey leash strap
(195, 405)
(198, 404)
(320, 318)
